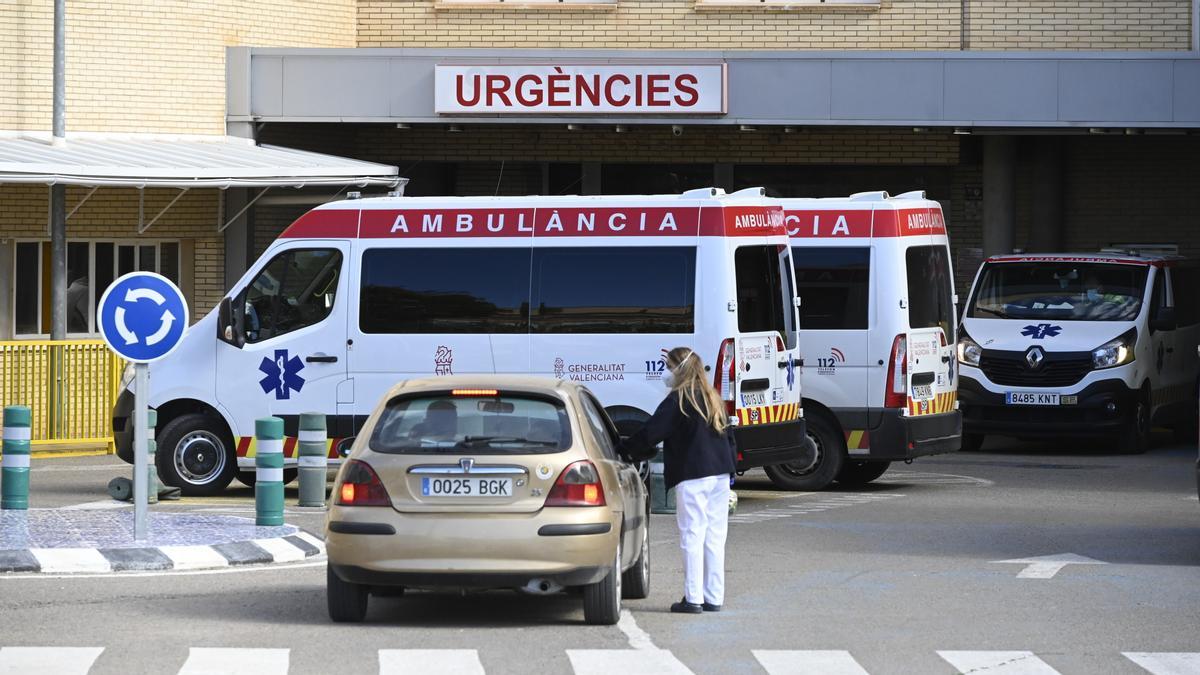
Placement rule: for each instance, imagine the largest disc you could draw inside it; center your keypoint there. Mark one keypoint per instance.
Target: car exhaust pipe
(541, 587)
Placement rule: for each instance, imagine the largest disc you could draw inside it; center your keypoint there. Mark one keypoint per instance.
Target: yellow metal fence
(69, 385)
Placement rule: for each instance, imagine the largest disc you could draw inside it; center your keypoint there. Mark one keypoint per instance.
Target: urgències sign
(581, 89)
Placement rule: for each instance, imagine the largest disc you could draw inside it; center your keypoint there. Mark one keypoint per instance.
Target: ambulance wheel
(825, 465)
(854, 473)
(972, 442)
(196, 455)
(248, 478)
(1135, 438)
(347, 602)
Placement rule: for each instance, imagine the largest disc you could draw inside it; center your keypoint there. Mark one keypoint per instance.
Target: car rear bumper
(767, 444)
(985, 412)
(901, 437)
(382, 546)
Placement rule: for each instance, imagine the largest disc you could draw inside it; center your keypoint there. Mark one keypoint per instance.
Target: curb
(287, 549)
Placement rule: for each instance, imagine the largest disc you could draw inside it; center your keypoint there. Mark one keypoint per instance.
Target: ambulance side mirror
(1165, 319)
(228, 330)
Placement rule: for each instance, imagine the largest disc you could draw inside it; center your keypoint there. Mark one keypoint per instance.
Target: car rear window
(930, 294)
(480, 422)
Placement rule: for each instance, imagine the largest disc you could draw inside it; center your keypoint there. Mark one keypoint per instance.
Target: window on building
(296, 289)
(790, 3)
(455, 290)
(834, 287)
(614, 290)
(91, 267)
(527, 2)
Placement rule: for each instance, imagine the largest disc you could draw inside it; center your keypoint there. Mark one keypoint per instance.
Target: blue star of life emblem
(282, 375)
(1041, 331)
(791, 373)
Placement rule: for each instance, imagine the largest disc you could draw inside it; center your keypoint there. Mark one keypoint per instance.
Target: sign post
(142, 317)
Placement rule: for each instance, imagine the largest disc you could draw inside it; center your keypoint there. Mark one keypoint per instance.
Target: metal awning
(184, 162)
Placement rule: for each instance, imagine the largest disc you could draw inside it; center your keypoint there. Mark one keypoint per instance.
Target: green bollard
(14, 467)
(662, 500)
(268, 464)
(151, 467)
(313, 459)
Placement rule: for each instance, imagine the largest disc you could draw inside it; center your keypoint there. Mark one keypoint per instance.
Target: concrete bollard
(14, 467)
(151, 466)
(268, 464)
(662, 500)
(313, 459)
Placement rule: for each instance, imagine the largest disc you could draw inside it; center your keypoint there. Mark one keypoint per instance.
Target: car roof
(1118, 257)
(522, 383)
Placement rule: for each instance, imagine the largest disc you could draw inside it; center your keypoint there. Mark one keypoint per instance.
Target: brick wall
(679, 24)
(148, 66)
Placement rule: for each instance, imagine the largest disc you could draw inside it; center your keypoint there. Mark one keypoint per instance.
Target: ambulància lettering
(769, 219)
(582, 223)
(925, 221)
(840, 226)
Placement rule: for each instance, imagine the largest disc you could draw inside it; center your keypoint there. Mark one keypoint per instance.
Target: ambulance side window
(834, 287)
(1185, 284)
(1158, 297)
(296, 289)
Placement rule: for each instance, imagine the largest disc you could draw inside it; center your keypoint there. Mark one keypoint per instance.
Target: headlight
(1116, 352)
(969, 350)
(126, 378)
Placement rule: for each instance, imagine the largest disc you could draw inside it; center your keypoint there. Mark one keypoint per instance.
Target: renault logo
(466, 463)
(1034, 357)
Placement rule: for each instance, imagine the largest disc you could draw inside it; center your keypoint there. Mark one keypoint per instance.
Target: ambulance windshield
(1047, 290)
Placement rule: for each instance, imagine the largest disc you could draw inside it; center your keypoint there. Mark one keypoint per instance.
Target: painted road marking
(193, 557)
(626, 662)
(429, 662)
(280, 549)
(1167, 663)
(64, 560)
(638, 638)
(1005, 663)
(57, 660)
(103, 504)
(808, 662)
(1045, 567)
(929, 478)
(243, 661)
(827, 503)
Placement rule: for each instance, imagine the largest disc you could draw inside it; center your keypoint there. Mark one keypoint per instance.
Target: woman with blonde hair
(698, 461)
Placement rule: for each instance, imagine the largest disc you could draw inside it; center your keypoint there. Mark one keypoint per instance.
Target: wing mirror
(229, 328)
(1165, 320)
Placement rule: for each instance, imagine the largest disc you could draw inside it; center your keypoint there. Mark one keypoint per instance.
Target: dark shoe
(685, 607)
(710, 608)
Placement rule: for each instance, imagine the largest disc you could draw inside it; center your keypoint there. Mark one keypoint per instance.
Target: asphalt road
(888, 576)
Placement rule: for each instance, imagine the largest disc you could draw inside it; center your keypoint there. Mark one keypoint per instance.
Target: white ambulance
(877, 335)
(1081, 344)
(360, 294)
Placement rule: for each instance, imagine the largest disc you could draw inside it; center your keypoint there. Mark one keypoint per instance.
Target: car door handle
(945, 359)
(320, 358)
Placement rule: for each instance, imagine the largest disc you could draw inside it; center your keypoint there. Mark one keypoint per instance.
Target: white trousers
(702, 512)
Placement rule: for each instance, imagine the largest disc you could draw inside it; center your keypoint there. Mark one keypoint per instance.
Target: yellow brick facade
(148, 66)
(683, 24)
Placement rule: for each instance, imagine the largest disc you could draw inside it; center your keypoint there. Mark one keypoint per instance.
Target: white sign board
(581, 89)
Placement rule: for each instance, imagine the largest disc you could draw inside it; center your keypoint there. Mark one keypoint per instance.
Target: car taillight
(724, 377)
(578, 485)
(896, 393)
(779, 348)
(362, 487)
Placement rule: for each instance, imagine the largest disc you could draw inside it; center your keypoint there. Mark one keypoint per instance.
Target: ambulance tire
(831, 456)
(248, 478)
(1135, 438)
(602, 600)
(972, 442)
(347, 602)
(196, 454)
(855, 474)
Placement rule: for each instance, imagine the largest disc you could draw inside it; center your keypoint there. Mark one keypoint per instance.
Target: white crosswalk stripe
(223, 661)
(626, 662)
(1167, 663)
(809, 662)
(1005, 663)
(58, 660)
(429, 662)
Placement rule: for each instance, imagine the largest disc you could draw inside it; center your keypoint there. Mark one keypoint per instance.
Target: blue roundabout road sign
(142, 316)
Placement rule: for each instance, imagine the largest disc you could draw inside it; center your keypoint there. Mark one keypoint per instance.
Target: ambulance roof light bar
(912, 194)
(702, 192)
(750, 192)
(877, 196)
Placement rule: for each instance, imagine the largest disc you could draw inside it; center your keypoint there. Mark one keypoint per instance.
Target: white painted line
(1045, 567)
(194, 557)
(236, 569)
(1167, 663)
(101, 505)
(1005, 663)
(281, 550)
(625, 662)
(122, 468)
(808, 662)
(244, 661)
(638, 638)
(70, 560)
(429, 662)
(57, 660)
(312, 540)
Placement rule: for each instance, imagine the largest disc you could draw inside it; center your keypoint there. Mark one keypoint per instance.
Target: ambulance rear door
(765, 350)
(930, 358)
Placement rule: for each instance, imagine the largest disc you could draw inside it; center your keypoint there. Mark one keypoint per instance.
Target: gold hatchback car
(488, 482)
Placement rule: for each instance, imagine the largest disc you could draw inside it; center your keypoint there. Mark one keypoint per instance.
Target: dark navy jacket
(691, 449)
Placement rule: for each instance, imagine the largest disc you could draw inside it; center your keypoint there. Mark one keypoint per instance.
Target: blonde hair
(692, 384)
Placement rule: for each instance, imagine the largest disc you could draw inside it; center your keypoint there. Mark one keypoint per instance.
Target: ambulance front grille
(1059, 369)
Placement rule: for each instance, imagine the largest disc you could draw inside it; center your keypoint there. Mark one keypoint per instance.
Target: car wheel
(822, 468)
(602, 600)
(248, 478)
(854, 474)
(635, 582)
(196, 454)
(347, 602)
(972, 442)
(1135, 438)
